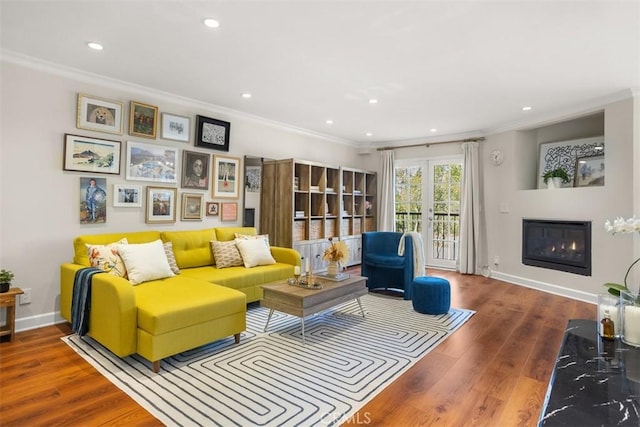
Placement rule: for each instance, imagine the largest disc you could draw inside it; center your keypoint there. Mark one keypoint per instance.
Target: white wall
(510, 183)
(39, 212)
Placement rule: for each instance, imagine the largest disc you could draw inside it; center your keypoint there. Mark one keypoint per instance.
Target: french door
(427, 200)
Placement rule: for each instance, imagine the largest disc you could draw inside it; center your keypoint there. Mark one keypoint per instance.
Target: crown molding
(121, 85)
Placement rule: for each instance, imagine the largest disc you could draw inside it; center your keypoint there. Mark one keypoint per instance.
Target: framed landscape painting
(99, 114)
(161, 205)
(589, 171)
(143, 120)
(212, 133)
(95, 155)
(151, 162)
(226, 177)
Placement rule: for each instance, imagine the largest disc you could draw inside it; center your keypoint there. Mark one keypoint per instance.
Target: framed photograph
(175, 127)
(99, 114)
(212, 208)
(212, 133)
(589, 171)
(228, 211)
(252, 178)
(161, 205)
(150, 162)
(93, 200)
(191, 207)
(127, 196)
(195, 170)
(95, 155)
(226, 177)
(143, 120)
(563, 154)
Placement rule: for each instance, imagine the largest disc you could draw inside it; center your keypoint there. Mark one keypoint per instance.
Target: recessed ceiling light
(329, 122)
(95, 46)
(527, 108)
(369, 134)
(211, 23)
(246, 95)
(433, 130)
(373, 101)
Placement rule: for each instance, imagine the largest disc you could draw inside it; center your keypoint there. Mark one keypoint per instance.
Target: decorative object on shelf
(226, 177)
(497, 157)
(629, 309)
(176, 128)
(161, 205)
(228, 211)
(191, 207)
(212, 208)
(6, 277)
(563, 154)
(608, 303)
(195, 170)
(212, 133)
(143, 120)
(151, 162)
(589, 171)
(95, 155)
(336, 253)
(93, 200)
(99, 114)
(127, 196)
(555, 178)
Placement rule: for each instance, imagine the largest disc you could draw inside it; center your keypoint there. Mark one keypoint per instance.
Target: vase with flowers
(629, 306)
(336, 253)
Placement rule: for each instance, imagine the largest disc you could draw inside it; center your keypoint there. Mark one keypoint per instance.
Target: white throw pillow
(254, 252)
(145, 261)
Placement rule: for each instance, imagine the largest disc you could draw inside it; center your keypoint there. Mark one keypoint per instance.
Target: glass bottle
(607, 327)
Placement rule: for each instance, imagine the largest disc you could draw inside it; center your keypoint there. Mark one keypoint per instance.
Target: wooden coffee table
(302, 302)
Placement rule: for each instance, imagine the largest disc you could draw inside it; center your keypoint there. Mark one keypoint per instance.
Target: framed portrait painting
(589, 171)
(212, 208)
(127, 196)
(191, 207)
(93, 200)
(95, 155)
(151, 162)
(195, 170)
(161, 205)
(175, 127)
(143, 120)
(99, 114)
(226, 177)
(212, 133)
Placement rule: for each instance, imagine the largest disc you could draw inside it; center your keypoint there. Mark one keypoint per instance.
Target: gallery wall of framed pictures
(158, 150)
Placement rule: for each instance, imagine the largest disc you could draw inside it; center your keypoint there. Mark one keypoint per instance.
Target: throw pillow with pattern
(226, 254)
(106, 258)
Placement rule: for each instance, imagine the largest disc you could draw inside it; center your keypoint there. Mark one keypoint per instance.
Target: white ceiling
(463, 68)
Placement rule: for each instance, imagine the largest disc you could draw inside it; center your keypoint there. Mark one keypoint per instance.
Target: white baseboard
(39, 321)
(546, 287)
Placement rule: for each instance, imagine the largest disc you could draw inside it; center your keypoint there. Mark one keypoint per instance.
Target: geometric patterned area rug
(271, 378)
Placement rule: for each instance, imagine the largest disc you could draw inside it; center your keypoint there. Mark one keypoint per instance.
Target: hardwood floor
(493, 371)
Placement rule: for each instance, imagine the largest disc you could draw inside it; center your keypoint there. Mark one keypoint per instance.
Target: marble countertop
(595, 382)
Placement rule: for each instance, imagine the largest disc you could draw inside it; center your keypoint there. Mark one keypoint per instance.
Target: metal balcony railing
(445, 229)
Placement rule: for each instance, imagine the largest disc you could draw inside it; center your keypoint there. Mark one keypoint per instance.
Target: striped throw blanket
(81, 300)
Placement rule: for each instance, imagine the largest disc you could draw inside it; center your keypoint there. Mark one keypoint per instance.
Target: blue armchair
(382, 265)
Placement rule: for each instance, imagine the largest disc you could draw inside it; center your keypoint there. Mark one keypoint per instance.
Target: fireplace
(558, 245)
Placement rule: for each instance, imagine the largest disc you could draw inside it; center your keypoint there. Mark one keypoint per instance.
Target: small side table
(8, 301)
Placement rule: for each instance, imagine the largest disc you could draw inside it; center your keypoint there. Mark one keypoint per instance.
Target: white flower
(621, 225)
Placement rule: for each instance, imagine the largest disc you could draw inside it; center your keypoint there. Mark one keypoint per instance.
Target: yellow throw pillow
(226, 254)
(106, 258)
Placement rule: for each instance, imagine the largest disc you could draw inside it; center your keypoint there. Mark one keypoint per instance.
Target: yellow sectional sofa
(163, 317)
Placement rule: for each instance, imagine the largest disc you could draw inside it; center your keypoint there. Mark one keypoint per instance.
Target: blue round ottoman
(431, 295)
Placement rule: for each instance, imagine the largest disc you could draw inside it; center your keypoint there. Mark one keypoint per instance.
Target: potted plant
(555, 178)
(5, 280)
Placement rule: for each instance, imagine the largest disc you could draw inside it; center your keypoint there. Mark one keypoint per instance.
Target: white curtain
(468, 260)
(387, 200)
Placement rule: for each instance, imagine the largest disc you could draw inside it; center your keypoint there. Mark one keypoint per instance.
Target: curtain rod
(426, 144)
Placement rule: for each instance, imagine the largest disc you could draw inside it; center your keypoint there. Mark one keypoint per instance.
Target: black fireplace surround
(557, 245)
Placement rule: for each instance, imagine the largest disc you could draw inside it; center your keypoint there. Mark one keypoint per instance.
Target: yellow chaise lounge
(160, 318)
